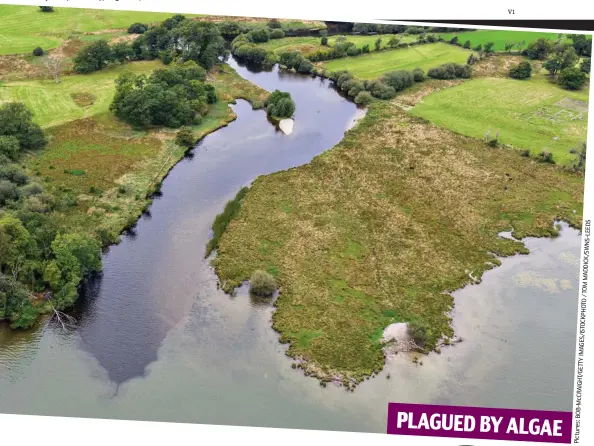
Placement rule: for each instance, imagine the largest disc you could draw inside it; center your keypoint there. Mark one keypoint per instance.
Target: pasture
(307, 45)
(373, 65)
(49, 29)
(498, 37)
(534, 114)
(54, 104)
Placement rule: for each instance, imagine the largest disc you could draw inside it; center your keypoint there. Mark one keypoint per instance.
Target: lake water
(158, 341)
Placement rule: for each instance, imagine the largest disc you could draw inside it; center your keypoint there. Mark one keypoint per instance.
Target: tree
(418, 74)
(363, 98)
(508, 46)
(16, 120)
(572, 78)
(467, 44)
(324, 41)
(582, 44)
(93, 57)
(137, 28)
(53, 64)
(539, 49)
(523, 70)
(121, 52)
(378, 43)
(46, 8)
(585, 65)
(185, 137)
(399, 80)
(580, 161)
(520, 45)
(394, 41)
(280, 105)
(274, 23)
(489, 48)
(277, 34)
(259, 35)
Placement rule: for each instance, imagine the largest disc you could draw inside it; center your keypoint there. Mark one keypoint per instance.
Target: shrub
(585, 65)
(274, 24)
(399, 80)
(137, 28)
(431, 38)
(280, 105)
(185, 137)
(467, 44)
(277, 34)
(259, 35)
(355, 88)
(450, 71)
(418, 333)
(478, 48)
(353, 51)
(9, 146)
(32, 189)
(572, 78)
(46, 8)
(262, 284)
(305, 66)
(363, 98)
(418, 75)
(525, 153)
(523, 70)
(38, 51)
(16, 120)
(365, 49)
(8, 191)
(324, 40)
(545, 157)
(93, 57)
(380, 90)
(454, 40)
(489, 47)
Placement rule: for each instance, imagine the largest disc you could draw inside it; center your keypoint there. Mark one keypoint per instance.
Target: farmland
(533, 114)
(53, 103)
(498, 37)
(48, 30)
(371, 66)
(306, 45)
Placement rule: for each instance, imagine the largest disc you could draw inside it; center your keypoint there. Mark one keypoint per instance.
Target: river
(157, 341)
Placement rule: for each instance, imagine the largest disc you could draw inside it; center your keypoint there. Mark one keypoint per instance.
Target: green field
(306, 45)
(49, 29)
(498, 37)
(371, 66)
(534, 114)
(53, 103)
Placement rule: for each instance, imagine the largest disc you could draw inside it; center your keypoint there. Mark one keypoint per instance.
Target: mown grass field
(533, 114)
(53, 103)
(381, 228)
(22, 28)
(108, 169)
(498, 37)
(373, 65)
(306, 45)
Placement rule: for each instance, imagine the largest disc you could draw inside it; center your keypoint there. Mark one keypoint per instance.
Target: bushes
(274, 24)
(16, 120)
(466, 45)
(523, 70)
(262, 284)
(572, 78)
(38, 51)
(277, 34)
(450, 71)
(46, 8)
(380, 90)
(9, 146)
(324, 41)
(185, 137)
(259, 35)
(399, 80)
(223, 219)
(280, 105)
(585, 65)
(418, 333)
(363, 98)
(138, 28)
(305, 66)
(545, 157)
(418, 75)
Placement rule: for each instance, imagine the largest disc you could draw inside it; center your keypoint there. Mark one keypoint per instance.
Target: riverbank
(381, 229)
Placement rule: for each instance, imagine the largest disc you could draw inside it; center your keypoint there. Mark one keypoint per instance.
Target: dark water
(158, 341)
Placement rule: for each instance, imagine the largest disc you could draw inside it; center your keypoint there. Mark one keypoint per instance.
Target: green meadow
(534, 114)
(53, 103)
(50, 29)
(498, 37)
(371, 66)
